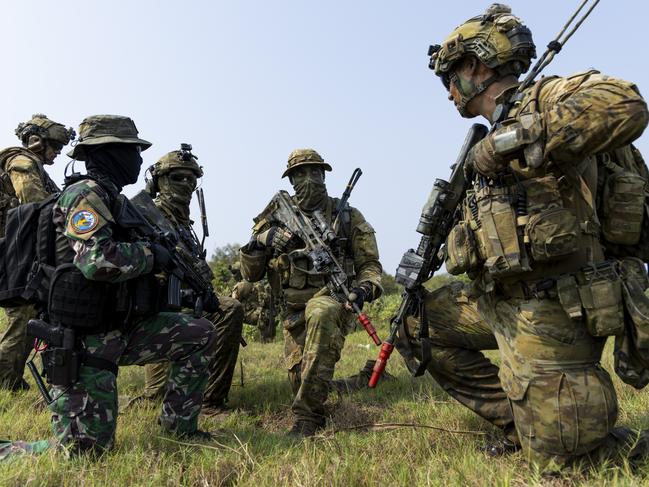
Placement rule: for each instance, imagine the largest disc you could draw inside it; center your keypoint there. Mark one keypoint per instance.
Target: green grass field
(252, 448)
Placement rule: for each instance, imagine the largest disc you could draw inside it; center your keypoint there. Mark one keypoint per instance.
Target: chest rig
(535, 220)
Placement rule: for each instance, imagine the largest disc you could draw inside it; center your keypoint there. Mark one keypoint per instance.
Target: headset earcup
(35, 143)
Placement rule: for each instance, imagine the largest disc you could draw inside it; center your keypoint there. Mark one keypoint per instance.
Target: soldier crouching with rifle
(313, 279)
(101, 312)
(172, 183)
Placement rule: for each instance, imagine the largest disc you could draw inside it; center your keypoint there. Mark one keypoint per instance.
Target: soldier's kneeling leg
(326, 326)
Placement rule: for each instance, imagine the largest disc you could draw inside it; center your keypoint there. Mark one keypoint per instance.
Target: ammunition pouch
(505, 255)
(600, 291)
(622, 207)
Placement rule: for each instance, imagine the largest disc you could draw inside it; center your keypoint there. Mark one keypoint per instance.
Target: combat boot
(303, 429)
(498, 447)
(358, 381)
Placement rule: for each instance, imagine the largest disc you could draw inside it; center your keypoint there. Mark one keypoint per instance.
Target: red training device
(381, 362)
(369, 328)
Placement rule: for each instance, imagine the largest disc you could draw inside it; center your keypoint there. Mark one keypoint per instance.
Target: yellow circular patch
(84, 221)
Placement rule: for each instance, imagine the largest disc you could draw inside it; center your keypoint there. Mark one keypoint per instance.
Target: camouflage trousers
(84, 416)
(313, 340)
(552, 386)
(228, 324)
(14, 345)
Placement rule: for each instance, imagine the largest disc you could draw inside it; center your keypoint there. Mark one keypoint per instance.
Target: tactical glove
(162, 258)
(276, 238)
(484, 160)
(211, 303)
(358, 296)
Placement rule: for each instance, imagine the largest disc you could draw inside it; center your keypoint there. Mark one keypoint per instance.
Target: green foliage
(220, 262)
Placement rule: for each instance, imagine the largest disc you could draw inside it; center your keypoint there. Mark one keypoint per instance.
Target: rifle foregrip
(381, 362)
(369, 328)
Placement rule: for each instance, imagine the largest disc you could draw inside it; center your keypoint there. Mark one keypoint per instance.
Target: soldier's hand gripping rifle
(318, 238)
(154, 225)
(416, 267)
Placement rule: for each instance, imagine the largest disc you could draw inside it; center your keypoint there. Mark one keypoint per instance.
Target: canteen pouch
(461, 250)
(552, 234)
(600, 290)
(623, 207)
(504, 255)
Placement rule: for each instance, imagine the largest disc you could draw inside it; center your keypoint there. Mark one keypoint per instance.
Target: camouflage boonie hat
(177, 160)
(42, 126)
(106, 129)
(303, 157)
(497, 38)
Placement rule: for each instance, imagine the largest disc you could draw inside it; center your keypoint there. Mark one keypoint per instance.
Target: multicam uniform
(314, 322)
(532, 233)
(228, 324)
(258, 306)
(23, 179)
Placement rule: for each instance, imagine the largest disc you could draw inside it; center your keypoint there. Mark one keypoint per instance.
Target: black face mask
(118, 162)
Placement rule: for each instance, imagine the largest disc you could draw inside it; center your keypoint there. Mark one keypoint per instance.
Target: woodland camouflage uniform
(314, 322)
(23, 179)
(173, 195)
(563, 402)
(84, 416)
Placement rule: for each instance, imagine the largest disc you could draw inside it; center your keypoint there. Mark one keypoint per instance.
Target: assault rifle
(438, 216)
(318, 238)
(148, 220)
(201, 205)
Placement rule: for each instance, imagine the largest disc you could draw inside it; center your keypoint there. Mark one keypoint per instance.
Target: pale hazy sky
(247, 81)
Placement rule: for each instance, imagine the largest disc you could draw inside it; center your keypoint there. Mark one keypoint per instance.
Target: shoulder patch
(84, 221)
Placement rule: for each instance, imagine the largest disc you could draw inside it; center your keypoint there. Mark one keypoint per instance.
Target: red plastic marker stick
(381, 362)
(369, 328)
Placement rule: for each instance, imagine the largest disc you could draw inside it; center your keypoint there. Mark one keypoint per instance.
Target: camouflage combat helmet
(303, 157)
(106, 129)
(497, 38)
(42, 126)
(178, 159)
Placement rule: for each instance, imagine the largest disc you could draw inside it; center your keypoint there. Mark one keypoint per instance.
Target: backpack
(27, 253)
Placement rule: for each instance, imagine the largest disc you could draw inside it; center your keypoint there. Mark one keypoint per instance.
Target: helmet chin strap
(468, 90)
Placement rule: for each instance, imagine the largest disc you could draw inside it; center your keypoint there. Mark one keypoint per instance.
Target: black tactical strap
(424, 339)
(99, 363)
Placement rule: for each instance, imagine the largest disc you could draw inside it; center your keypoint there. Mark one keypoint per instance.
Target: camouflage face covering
(309, 186)
(176, 189)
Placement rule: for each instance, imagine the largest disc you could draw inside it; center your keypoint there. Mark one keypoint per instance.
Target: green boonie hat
(106, 129)
(42, 126)
(303, 157)
(177, 160)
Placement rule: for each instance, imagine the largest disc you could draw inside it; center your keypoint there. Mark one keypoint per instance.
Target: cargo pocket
(570, 413)
(552, 234)
(516, 390)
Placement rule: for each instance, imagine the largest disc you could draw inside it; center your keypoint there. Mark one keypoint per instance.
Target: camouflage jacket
(86, 226)
(361, 260)
(570, 120)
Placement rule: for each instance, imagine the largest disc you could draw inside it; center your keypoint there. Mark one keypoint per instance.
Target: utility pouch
(297, 278)
(631, 353)
(77, 302)
(496, 214)
(569, 296)
(552, 234)
(541, 194)
(623, 207)
(461, 250)
(600, 290)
